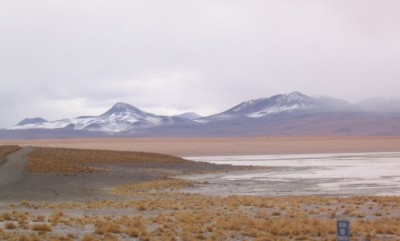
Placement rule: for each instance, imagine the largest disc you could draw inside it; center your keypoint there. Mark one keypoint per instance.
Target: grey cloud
(63, 58)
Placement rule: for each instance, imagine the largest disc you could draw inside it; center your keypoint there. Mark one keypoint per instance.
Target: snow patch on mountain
(283, 103)
(121, 117)
(275, 110)
(245, 104)
(264, 107)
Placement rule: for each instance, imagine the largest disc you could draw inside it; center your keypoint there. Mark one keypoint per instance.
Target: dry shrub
(5, 217)
(110, 237)
(107, 227)
(165, 185)
(275, 213)
(34, 237)
(90, 237)
(56, 217)
(39, 218)
(144, 236)
(73, 161)
(22, 237)
(60, 238)
(43, 227)
(142, 207)
(10, 225)
(133, 232)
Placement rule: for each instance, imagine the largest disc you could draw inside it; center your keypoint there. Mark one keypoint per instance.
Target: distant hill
(283, 114)
(189, 116)
(33, 121)
(121, 117)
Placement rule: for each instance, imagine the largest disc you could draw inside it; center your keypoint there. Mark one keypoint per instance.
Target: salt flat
(307, 174)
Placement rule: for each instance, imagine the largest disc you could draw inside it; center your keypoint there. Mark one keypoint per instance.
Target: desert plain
(227, 146)
(123, 189)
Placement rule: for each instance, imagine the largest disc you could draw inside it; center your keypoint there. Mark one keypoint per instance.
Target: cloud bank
(64, 58)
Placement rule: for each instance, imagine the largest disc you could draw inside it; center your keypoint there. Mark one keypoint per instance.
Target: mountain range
(283, 114)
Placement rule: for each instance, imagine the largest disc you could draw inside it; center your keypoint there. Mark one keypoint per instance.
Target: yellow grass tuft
(43, 227)
(156, 186)
(10, 225)
(56, 218)
(89, 237)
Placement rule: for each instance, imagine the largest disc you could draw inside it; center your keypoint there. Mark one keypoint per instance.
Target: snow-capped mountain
(121, 117)
(284, 114)
(263, 107)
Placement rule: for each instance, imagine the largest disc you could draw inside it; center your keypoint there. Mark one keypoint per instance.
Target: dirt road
(12, 170)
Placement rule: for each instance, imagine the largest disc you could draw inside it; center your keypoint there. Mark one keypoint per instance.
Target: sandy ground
(17, 184)
(229, 146)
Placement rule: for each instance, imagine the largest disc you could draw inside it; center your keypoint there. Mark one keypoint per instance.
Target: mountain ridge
(265, 106)
(35, 120)
(292, 113)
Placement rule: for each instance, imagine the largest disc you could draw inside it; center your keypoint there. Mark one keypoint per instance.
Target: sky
(62, 59)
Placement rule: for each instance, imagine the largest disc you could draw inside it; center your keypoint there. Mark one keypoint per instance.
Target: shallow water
(306, 174)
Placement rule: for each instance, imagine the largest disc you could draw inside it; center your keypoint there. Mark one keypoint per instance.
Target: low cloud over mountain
(284, 114)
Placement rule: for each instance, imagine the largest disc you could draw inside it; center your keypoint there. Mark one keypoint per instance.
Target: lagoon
(376, 173)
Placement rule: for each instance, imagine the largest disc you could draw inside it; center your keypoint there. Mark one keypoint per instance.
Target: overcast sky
(62, 59)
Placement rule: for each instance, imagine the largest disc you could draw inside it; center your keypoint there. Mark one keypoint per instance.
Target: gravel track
(12, 170)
